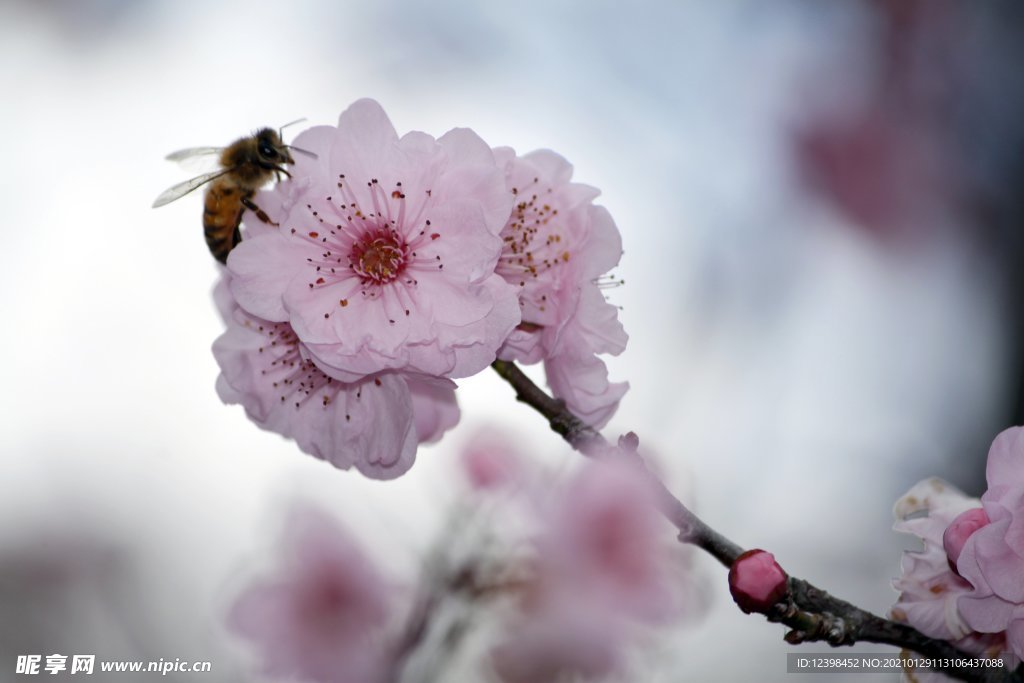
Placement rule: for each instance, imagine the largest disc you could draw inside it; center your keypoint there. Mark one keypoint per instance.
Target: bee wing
(190, 152)
(183, 188)
(197, 159)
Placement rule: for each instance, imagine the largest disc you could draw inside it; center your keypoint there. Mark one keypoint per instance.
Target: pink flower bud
(960, 529)
(756, 581)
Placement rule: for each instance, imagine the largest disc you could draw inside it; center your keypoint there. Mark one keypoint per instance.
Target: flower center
(379, 256)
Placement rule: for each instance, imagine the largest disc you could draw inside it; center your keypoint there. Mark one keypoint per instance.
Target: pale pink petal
(597, 324)
(471, 343)
(223, 299)
(553, 167)
(341, 331)
(522, 344)
(364, 130)
(940, 500)
(985, 614)
(463, 146)
(1014, 503)
(1006, 459)
(434, 408)
(261, 269)
(366, 424)
(934, 618)
(1001, 567)
(960, 529)
(456, 241)
(582, 382)
(477, 175)
(317, 138)
(604, 243)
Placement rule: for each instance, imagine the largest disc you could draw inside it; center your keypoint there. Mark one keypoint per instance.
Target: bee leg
(260, 213)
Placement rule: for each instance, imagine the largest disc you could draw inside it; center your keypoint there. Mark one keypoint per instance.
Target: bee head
(271, 151)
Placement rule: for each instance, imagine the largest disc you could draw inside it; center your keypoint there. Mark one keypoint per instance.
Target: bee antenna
(303, 151)
(280, 131)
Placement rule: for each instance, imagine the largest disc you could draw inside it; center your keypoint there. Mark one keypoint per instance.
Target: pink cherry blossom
(373, 425)
(601, 574)
(756, 581)
(992, 558)
(322, 615)
(386, 252)
(557, 247)
(929, 588)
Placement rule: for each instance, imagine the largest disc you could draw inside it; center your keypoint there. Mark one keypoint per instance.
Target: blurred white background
(818, 317)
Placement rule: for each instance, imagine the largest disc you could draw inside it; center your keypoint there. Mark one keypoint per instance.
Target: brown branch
(813, 615)
(589, 441)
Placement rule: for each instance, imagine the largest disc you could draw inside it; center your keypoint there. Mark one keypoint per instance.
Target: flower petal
(434, 408)
(366, 424)
(261, 269)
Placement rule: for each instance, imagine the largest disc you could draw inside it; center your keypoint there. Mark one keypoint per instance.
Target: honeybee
(246, 165)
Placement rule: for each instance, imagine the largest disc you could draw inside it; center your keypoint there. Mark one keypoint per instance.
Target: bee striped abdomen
(247, 164)
(222, 214)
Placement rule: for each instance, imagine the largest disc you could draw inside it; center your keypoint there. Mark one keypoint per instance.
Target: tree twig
(813, 615)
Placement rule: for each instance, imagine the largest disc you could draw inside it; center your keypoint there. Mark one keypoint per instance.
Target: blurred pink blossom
(604, 538)
(557, 247)
(373, 425)
(601, 573)
(992, 559)
(386, 252)
(560, 638)
(321, 616)
(893, 159)
(886, 171)
(489, 462)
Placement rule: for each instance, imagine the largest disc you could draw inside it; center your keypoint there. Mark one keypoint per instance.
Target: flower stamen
(379, 256)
